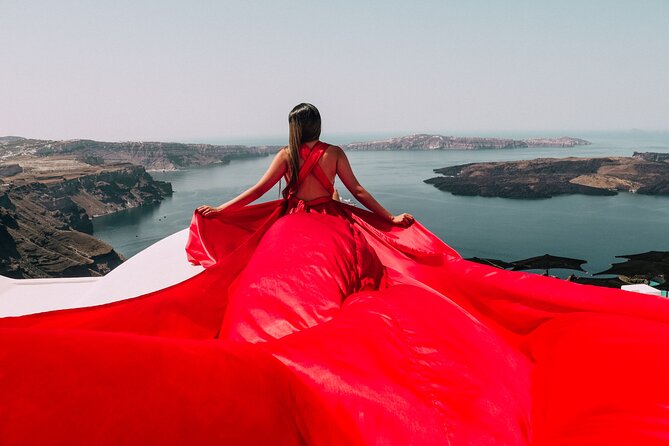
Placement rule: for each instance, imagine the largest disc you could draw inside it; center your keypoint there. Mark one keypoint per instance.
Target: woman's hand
(208, 211)
(276, 170)
(403, 220)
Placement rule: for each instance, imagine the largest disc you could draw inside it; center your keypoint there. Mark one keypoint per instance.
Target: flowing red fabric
(318, 323)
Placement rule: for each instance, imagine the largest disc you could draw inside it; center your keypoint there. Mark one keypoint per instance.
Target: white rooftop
(642, 288)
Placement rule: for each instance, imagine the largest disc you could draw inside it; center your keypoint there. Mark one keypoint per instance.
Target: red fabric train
(318, 323)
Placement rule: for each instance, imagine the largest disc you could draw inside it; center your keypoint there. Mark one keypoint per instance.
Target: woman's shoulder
(334, 149)
(283, 152)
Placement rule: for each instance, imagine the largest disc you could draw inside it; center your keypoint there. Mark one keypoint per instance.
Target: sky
(200, 70)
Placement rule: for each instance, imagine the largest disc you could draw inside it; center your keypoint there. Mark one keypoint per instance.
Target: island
(440, 142)
(643, 173)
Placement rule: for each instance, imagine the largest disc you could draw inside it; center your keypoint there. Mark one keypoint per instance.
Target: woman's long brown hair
(304, 124)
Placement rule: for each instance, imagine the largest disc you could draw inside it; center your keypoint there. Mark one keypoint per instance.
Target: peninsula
(46, 206)
(643, 173)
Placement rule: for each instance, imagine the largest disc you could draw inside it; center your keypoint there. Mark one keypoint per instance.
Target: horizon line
(237, 139)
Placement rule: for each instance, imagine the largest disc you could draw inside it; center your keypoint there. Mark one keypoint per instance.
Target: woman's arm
(361, 194)
(274, 173)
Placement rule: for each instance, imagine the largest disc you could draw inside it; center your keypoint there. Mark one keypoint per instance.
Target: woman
(310, 167)
(235, 232)
(321, 323)
(305, 129)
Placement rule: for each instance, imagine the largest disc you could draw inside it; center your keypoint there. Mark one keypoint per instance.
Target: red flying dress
(319, 323)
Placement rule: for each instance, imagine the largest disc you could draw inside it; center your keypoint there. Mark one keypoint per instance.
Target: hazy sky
(192, 70)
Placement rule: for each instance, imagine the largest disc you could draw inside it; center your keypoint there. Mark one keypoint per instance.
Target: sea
(593, 228)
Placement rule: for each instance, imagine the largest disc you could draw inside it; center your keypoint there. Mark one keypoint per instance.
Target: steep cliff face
(651, 156)
(112, 190)
(38, 242)
(45, 220)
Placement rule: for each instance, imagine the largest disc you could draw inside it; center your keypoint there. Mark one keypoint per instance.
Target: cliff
(439, 142)
(548, 177)
(175, 156)
(651, 156)
(150, 155)
(46, 210)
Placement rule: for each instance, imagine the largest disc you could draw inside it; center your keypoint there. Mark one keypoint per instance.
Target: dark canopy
(548, 261)
(648, 256)
(491, 262)
(638, 268)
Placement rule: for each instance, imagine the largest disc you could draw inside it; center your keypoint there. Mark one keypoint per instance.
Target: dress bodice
(311, 157)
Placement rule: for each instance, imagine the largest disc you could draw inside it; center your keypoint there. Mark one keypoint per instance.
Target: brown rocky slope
(45, 216)
(151, 155)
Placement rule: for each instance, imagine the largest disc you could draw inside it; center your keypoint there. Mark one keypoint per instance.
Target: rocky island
(643, 173)
(440, 142)
(46, 206)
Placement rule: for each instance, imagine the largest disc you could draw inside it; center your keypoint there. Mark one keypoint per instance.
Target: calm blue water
(592, 228)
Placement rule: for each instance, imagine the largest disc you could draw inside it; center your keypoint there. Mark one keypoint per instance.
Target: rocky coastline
(46, 207)
(440, 142)
(161, 156)
(153, 156)
(51, 190)
(643, 173)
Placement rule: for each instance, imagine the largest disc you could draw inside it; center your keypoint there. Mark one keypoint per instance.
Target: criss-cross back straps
(311, 158)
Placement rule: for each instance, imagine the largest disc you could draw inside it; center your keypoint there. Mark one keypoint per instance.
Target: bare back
(310, 188)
